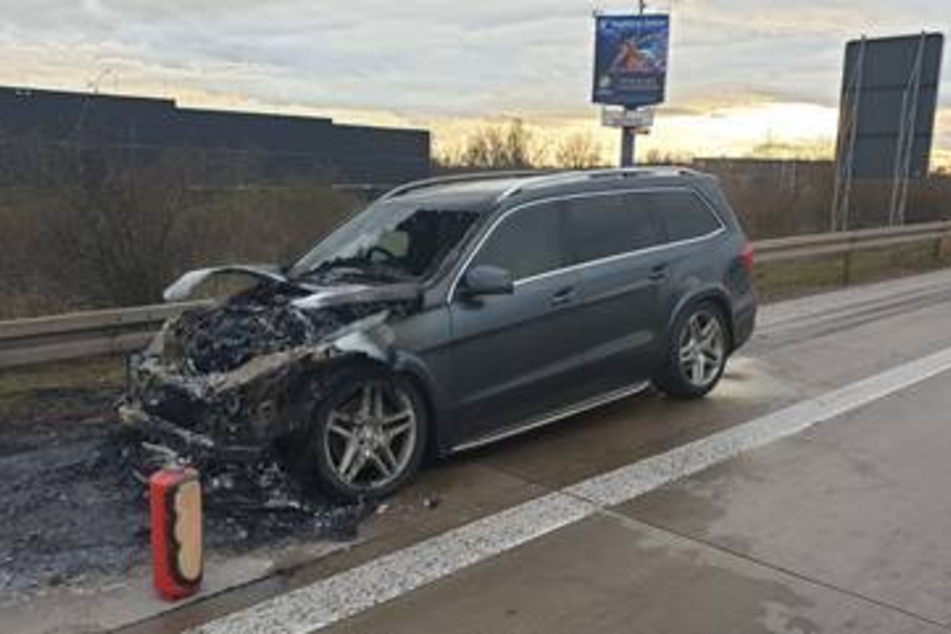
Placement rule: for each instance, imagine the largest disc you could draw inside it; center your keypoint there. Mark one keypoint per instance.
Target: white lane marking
(347, 593)
(626, 483)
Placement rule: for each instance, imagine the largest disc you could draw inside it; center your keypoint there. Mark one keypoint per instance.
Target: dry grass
(50, 404)
(99, 372)
(52, 261)
(795, 278)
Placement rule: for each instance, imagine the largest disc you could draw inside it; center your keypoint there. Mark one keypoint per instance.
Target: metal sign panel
(630, 60)
(641, 119)
(886, 120)
(889, 95)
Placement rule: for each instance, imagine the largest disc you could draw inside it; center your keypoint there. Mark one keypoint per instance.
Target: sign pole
(628, 139)
(629, 135)
(630, 70)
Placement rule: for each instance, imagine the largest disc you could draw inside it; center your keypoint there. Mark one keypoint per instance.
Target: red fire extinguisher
(175, 498)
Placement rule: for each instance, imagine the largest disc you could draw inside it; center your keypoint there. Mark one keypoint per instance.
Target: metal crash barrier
(126, 330)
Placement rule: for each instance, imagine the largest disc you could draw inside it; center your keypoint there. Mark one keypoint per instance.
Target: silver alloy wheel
(370, 435)
(702, 348)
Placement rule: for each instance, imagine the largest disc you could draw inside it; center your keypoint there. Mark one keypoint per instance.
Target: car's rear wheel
(696, 354)
(368, 434)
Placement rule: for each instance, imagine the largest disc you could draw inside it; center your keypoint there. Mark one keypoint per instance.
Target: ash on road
(74, 501)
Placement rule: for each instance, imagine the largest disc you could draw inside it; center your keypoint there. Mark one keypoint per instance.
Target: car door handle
(562, 297)
(658, 273)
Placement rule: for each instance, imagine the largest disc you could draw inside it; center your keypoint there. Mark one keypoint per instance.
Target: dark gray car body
(500, 364)
(564, 340)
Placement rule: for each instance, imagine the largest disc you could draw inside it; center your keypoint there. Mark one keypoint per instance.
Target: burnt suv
(451, 313)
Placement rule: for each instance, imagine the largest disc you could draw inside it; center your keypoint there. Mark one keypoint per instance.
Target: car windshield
(388, 242)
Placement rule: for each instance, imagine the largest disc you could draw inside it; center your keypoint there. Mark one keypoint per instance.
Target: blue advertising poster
(630, 59)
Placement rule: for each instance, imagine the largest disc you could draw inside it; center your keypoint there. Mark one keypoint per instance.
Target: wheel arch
(409, 368)
(714, 295)
(416, 372)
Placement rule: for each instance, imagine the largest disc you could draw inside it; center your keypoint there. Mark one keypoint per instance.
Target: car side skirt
(547, 419)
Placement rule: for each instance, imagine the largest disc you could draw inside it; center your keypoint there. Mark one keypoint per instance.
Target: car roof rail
(559, 178)
(648, 170)
(453, 179)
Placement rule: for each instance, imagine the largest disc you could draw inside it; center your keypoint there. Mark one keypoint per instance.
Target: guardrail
(84, 334)
(847, 242)
(125, 330)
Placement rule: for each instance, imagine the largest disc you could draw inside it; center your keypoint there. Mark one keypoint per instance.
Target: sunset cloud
(425, 60)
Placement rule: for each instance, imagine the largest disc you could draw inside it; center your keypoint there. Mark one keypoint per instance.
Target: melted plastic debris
(264, 500)
(261, 321)
(244, 327)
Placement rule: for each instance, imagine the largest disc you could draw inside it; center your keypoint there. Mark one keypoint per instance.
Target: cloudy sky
(742, 71)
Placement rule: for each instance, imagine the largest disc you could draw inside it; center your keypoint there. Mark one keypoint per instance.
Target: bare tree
(84, 227)
(509, 146)
(772, 148)
(114, 218)
(578, 151)
(663, 157)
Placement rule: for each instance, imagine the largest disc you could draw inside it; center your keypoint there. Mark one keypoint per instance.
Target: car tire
(696, 353)
(368, 434)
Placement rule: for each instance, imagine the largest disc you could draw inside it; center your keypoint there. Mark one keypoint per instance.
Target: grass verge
(796, 278)
(58, 402)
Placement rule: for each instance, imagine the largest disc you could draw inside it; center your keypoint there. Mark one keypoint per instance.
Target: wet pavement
(842, 528)
(620, 569)
(859, 504)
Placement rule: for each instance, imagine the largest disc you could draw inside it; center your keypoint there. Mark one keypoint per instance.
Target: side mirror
(485, 279)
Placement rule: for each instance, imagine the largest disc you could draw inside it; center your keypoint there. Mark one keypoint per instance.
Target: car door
(616, 243)
(513, 355)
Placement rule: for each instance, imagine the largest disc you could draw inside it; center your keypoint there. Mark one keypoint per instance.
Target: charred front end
(232, 377)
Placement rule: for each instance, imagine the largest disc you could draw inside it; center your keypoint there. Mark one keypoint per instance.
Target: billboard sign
(630, 59)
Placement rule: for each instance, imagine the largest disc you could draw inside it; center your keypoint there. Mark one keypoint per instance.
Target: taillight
(746, 257)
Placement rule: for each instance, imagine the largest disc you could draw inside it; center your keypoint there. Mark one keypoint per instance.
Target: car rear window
(683, 214)
(605, 225)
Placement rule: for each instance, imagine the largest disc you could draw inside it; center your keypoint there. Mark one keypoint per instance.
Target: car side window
(684, 215)
(604, 225)
(528, 242)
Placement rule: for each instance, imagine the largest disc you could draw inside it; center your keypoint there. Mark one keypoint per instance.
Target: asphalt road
(836, 528)
(842, 528)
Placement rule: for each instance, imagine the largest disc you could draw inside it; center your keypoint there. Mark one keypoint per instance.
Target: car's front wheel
(368, 434)
(697, 353)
